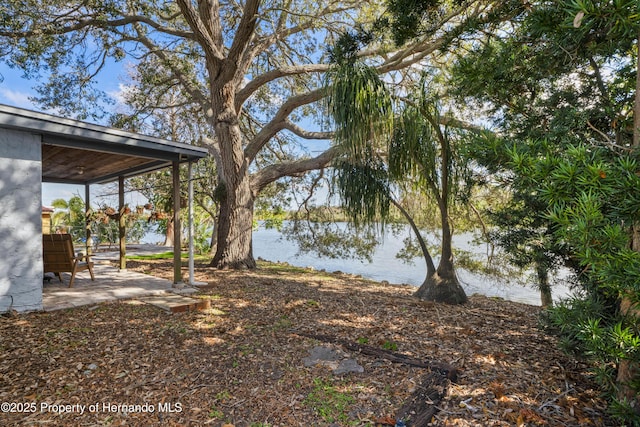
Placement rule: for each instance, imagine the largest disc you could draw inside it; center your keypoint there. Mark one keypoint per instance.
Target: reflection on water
(271, 246)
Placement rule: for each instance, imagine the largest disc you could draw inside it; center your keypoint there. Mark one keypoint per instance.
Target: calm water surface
(270, 245)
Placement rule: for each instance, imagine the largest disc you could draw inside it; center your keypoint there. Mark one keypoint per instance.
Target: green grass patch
(282, 323)
(390, 345)
(276, 267)
(220, 397)
(215, 413)
(329, 403)
(162, 255)
(284, 268)
(223, 395)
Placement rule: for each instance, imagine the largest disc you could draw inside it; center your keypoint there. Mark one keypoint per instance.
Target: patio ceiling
(76, 152)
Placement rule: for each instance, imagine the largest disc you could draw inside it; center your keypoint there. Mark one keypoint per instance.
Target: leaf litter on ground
(240, 362)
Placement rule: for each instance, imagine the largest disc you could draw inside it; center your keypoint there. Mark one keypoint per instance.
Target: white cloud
(16, 98)
(121, 93)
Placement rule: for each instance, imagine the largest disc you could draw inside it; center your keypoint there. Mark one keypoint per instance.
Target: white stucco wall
(20, 221)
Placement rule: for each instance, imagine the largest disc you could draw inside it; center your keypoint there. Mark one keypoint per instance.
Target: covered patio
(110, 284)
(37, 148)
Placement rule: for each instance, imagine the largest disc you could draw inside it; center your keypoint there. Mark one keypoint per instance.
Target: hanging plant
(157, 216)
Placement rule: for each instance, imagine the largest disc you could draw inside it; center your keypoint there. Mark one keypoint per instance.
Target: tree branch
(419, 50)
(187, 86)
(201, 31)
(607, 140)
(58, 28)
(271, 173)
(303, 133)
(244, 31)
(279, 121)
(272, 75)
(431, 267)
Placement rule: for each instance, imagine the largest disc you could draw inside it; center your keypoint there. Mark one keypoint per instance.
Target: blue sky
(16, 91)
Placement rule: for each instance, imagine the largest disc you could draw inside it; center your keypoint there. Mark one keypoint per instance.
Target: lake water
(270, 245)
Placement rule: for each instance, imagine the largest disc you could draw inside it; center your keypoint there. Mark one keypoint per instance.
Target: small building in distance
(46, 219)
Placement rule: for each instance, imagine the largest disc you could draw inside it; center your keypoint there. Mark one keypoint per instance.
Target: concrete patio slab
(175, 303)
(110, 284)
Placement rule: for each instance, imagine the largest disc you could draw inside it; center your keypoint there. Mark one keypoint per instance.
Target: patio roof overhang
(75, 152)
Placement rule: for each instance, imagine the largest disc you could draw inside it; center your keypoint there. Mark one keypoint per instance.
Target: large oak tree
(251, 70)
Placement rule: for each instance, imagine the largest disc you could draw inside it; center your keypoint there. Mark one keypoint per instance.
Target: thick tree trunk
(168, 237)
(214, 239)
(443, 285)
(543, 284)
(235, 221)
(235, 224)
(546, 299)
(442, 288)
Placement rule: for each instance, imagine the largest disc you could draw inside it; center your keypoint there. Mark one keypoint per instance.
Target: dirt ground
(240, 362)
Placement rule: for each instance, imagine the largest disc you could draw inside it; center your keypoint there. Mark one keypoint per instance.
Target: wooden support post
(192, 279)
(177, 262)
(121, 225)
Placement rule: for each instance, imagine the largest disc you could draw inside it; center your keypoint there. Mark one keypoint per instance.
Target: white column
(191, 226)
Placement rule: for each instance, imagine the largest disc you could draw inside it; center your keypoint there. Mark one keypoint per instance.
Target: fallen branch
(555, 399)
(420, 408)
(444, 369)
